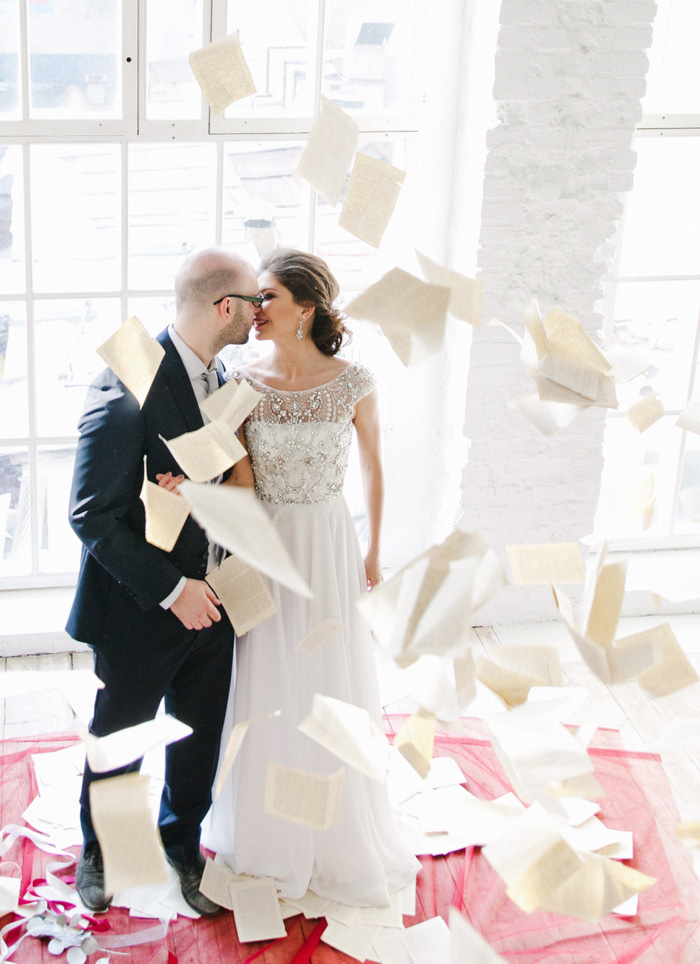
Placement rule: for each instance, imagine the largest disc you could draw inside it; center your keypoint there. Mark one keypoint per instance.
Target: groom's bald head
(208, 275)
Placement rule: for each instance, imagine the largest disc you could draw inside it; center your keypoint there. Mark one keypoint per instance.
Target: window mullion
(318, 90)
(24, 58)
(32, 455)
(219, 209)
(681, 455)
(131, 66)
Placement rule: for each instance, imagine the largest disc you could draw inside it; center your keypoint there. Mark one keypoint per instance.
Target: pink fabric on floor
(639, 799)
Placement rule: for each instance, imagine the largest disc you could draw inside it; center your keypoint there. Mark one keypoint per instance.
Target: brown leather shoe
(190, 874)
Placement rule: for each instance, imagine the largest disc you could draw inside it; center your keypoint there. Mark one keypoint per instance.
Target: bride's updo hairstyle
(312, 285)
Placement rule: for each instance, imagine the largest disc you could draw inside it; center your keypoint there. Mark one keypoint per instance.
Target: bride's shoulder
(238, 374)
(361, 380)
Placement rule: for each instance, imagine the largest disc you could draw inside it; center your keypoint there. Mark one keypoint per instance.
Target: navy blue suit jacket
(121, 575)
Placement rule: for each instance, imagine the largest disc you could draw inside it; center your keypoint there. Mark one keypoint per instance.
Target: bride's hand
(169, 481)
(373, 570)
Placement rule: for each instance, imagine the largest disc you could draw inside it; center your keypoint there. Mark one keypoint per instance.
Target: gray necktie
(210, 380)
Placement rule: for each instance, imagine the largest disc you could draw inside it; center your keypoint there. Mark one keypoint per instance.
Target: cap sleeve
(362, 382)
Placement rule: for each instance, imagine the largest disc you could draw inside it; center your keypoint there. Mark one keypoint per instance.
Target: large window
(112, 170)
(657, 296)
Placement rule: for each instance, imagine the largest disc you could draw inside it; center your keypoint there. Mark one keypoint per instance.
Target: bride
(298, 439)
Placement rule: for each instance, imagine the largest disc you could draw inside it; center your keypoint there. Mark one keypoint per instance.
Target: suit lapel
(179, 383)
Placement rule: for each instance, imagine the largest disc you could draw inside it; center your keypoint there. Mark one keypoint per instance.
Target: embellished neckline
(298, 391)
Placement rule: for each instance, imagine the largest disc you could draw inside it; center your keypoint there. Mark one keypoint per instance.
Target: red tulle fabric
(638, 799)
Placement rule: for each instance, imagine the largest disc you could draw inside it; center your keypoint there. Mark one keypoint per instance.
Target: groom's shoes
(90, 879)
(190, 874)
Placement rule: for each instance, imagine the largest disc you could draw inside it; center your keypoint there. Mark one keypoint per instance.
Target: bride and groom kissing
(157, 629)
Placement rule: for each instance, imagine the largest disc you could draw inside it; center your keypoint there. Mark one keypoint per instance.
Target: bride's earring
(300, 331)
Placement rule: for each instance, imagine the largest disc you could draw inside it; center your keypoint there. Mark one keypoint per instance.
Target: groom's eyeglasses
(256, 300)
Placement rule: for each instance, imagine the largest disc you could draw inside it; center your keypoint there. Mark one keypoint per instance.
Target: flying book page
(415, 741)
(243, 593)
(166, 514)
(644, 413)
(134, 357)
(207, 452)
(235, 742)
(538, 564)
(318, 636)
(349, 733)
(119, 749)
(465, 293)
(232, 403)
(689, 419)
(328, 152)
(371, 197)
(221, 71)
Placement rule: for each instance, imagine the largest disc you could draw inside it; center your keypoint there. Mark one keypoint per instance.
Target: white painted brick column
(569, 78)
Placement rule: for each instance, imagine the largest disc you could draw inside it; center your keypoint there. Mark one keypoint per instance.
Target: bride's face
(278, 317)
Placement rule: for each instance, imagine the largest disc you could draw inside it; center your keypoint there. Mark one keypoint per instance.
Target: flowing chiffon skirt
(361, 860)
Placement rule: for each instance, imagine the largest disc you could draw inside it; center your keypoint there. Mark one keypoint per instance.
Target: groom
(150, 617)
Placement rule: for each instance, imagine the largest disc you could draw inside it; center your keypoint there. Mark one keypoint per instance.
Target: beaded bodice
(298, 442)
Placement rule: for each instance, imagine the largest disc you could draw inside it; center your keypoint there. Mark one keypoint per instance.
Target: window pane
(75, 216)
(355, 263)
(659, 319)
(367, 57)
(673, 81)
(173, 29)
(155, 314)
(660, 237)
(262, 198)
(10, 100)
(75, 58)
(277, 39)
(12, 276)
(67, 334)
(13, 372)
(15, 531)
(172, 201)
(59, 547)
(690, 479)
(629, 459)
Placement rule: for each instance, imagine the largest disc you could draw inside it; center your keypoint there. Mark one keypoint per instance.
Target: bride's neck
(295, 360)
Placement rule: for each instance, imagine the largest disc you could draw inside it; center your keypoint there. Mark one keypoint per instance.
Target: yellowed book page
(221, 71)
(466, 944)
(465, 293)
(355, 940)
(535, 329)
(689, 831)
(302, 797)
(234, 518)
(538, 660)
(123, 747)
(410, 312)
(256, 910)
(689, 419)
(644, 413)
(415, 741)
(206, 453)
(166, 514)
(232, 403)
(539, 563)
(243, 594)
(133, 356)
(509, 684)
(216, 883)
(328, 151)
(671, 670)
(318, 636)
(523, 842)
(607, 602)
(531, 891)
(370, 199)
(235, 742)
(585, 786)
(550, 391)
(597, 888)
(566, 333)
(390, 916)
(349, 733)
(690, 501)
(570, 373)
(130, 843)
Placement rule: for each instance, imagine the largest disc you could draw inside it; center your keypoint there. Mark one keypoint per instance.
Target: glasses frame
(255, 300)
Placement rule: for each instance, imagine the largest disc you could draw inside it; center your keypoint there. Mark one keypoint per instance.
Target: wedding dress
(298, 444)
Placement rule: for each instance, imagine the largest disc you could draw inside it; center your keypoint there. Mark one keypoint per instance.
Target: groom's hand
(195, 607)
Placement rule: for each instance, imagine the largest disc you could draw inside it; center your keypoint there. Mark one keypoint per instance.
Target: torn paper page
(511, 685)
(538, 564)
(302, 797)
(370, 199)
(119, 749)
(326, 157)
(125, 828)
(671, 670)
(232, 403)
(349, 733)
(318, 636)
(256, 910)
(468, 945)
(415, 741)
(465, 294)
(233, 518)
(221, 71)
(644, 413)
(166, 514)
(207, 452)
(410, 312)
(235, 742)
(134, 357)
(243, 593)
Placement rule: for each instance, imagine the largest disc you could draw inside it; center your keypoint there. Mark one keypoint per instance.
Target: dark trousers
(192, 671)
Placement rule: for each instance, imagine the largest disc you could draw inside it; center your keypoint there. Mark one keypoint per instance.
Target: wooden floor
(627, 708)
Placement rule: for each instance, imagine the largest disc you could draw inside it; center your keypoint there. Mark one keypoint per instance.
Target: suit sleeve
(106, 485)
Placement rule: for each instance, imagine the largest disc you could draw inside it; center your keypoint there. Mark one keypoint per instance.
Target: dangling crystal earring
(300, 333)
